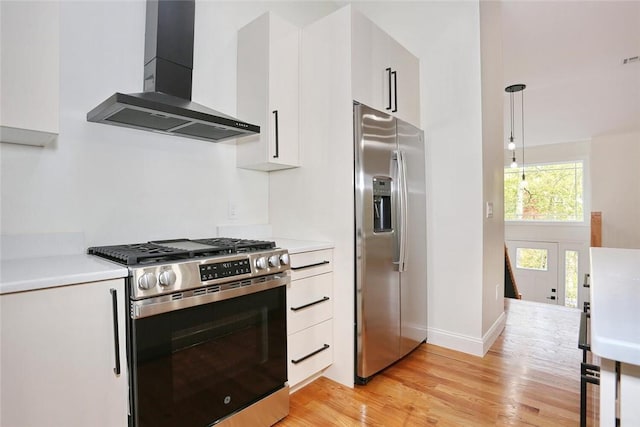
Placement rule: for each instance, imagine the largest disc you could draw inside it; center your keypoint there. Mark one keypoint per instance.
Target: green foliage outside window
(553, 192)
(531, 259)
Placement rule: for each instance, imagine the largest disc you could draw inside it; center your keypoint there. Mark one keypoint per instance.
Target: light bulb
(514, 164)
(523, 183)
(511, 146)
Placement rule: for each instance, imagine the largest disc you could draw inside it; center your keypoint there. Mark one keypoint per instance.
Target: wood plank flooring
(530, 376)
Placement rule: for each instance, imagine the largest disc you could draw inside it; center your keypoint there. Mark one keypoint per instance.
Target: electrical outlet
(233, 211)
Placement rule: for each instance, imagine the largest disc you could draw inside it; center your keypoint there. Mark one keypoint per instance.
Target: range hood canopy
(165, 106)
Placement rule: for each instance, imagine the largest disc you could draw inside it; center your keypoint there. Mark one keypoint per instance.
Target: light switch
(489, 209)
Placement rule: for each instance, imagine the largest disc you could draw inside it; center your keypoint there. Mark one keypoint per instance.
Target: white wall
(615, 183)
(119, 185)
(493, 317)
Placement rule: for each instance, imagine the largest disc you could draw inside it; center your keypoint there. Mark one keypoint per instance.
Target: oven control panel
(220, 270)
(170, 278)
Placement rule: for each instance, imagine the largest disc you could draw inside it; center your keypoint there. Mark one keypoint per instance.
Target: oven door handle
(116, 335)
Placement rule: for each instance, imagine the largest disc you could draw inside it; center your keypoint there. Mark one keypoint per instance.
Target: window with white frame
(551, 192)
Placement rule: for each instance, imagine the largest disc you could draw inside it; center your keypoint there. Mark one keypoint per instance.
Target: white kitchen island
(615, 332)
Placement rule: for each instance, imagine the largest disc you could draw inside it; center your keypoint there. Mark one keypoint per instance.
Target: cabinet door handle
(116, 335)
(388, 70)
(275, 113)
(317, 264)
(395, 91)
(323, 299)
(313, 353)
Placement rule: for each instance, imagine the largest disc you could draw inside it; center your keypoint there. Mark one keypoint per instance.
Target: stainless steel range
(206, 331)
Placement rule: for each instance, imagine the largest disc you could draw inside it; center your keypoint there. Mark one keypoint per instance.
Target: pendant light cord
(511, 99)
(522, 109)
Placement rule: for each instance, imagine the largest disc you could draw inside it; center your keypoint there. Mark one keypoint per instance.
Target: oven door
(196, 365)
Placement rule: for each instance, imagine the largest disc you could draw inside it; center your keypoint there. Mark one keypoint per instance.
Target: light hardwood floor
(530, 376)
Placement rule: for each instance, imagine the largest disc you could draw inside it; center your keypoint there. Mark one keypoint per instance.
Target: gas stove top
(178, 249)
(184, 268)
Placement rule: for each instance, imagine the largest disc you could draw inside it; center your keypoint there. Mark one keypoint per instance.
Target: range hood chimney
(165, 105)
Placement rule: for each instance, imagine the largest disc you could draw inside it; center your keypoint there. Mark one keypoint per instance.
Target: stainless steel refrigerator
(390, 240)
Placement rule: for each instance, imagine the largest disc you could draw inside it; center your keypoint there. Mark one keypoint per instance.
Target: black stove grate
(161, 251)
(239, 245)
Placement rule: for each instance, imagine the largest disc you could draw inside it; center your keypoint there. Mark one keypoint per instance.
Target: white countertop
(298, 246)
(25, 274)
(615, 304)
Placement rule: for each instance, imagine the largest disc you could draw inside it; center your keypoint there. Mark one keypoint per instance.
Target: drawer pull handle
(313, 353)
(323, 299)
(275, 113)
(116, 339)
(317, 264)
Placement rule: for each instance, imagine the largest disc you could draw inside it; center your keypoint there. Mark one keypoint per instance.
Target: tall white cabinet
(59, 357)
(385, 75)
(267, 86)
(318, 202)
(30, 71)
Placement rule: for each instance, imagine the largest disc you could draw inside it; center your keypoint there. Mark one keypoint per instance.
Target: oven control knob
(261, 263)
(147, 281)
(274, 261)
(167, 278)
(284, 259)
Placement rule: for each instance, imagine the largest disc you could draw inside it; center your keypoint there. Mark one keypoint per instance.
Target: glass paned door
(536, 270)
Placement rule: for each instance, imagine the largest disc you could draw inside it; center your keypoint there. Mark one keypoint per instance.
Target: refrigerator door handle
(402, 202)
(404, 210)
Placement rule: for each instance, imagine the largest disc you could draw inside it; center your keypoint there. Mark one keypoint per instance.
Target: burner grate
(239, 245)
(162, 251)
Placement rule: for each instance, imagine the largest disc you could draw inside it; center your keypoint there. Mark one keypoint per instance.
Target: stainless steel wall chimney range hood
(165, 105)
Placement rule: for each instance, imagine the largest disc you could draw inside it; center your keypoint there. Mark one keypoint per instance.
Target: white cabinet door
(29, 86)
(405, 82)
(385, 75)
(268, 75)
(309, 351)
(59, 355)
(309, 301)
(370, 78)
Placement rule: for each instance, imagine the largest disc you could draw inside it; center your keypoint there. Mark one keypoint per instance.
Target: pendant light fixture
(512, 145)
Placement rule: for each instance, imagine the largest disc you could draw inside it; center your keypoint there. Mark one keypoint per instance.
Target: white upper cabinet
(385, 75)
(268, 75)
(30, 71)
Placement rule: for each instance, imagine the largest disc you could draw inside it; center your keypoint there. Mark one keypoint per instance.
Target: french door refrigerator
(390, 240)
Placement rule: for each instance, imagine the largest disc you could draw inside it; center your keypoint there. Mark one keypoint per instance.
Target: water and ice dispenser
(382, 204)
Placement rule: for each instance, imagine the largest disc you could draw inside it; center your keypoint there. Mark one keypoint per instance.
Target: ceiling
(570, 55)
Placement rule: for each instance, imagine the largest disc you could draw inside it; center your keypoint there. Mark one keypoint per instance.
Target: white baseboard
(465, 343)
(493, 333)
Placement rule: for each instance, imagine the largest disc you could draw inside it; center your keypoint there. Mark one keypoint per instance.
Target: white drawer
(311, 263)
(309, 301)
(310, 351)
